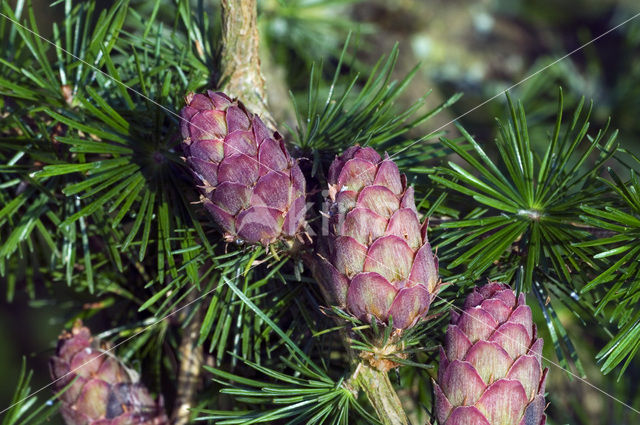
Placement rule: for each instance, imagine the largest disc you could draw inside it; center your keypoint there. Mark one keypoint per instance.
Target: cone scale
(491, 366)
(102, 390)
(379, 264)
(248, 182)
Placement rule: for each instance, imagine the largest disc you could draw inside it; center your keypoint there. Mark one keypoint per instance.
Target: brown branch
(240, 59)
(190, 353)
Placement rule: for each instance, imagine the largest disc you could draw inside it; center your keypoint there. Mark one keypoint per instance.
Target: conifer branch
(381, 394)
(190, 364)
(241, 76)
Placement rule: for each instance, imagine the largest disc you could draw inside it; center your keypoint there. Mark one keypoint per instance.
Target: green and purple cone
(491, 367)
(379, 264)
(248, 181)
(104, 391)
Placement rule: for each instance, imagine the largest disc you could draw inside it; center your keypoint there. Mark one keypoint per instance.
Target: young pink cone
(103, 391)
(491, 368)
(248, 182)
(379, 264)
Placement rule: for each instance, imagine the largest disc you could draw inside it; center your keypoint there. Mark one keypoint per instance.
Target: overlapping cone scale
(379, 264)
(102, 390)
(249, 183)
(491, 367)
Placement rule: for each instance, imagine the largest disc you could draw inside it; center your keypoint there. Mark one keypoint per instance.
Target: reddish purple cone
(379, 264)
(248, 182)
(491, 367)
(104, 391)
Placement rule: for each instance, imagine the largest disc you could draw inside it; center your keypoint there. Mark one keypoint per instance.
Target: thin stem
(374, 382)
(240, 58)
(381, 395)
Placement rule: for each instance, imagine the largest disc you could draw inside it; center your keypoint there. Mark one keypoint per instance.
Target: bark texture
(241, 76)
(381, 394)
(191, 355)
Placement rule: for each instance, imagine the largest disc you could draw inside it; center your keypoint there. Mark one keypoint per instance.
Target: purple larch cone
(248, 182)
(379, 265)
(491, 366)
(103, 391)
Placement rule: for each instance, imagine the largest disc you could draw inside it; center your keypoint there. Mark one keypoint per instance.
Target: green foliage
(105, 140)
(94, 191)
(304, 392)
(24, 410)
(94, 195)
(526, 223)
(620, 277)
(304, 397)
(350, 115)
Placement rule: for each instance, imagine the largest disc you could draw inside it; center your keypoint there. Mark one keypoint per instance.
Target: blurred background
(478, 48)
